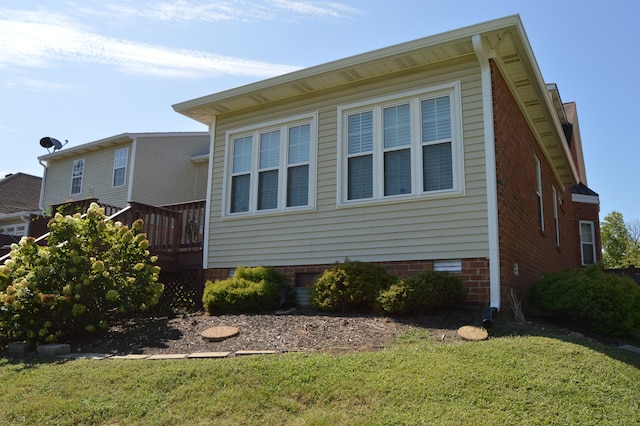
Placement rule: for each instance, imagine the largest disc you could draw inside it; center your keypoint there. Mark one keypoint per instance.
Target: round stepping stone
(470, 332)
(219, 333)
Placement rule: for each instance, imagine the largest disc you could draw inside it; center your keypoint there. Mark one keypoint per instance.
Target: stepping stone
(209, 355)
(54, 349)
(131, 356)
(219, 333)
(19, 348)
(255, 352)
(470, 332)
(84, 356)
(168, 356)
(631, 348)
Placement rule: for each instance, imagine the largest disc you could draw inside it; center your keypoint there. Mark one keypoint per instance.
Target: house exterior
(448, 152)
(19, 194)
(151, 168)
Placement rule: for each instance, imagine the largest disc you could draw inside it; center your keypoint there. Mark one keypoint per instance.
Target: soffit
(504, 38)
(537, 100)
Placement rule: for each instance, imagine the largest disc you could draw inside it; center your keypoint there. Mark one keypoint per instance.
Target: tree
(620, 241)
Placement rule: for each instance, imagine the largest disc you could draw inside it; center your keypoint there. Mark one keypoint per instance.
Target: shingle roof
(19, 192)
(582, 189)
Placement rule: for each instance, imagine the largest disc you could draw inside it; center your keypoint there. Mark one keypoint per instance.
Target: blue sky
(86, 70)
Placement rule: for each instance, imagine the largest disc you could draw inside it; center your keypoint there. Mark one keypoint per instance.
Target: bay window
(272, 166)
(408, 145)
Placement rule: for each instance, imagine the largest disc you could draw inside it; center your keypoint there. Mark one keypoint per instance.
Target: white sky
(86, 70)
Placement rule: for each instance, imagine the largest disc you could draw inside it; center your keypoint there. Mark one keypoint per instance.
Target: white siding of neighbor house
(163, 171)
(202, 177)
(97, 181)
(450, 227)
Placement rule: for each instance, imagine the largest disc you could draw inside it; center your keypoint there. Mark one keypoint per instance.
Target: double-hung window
(120, 166)
(271, 166)
(76, 176)
(401, 146)
(587, 242)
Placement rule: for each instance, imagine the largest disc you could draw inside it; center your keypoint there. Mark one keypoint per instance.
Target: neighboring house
(19, 195)
(447, 152)
(150, 168)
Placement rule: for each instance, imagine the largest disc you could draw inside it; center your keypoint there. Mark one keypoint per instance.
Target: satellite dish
(48, 142)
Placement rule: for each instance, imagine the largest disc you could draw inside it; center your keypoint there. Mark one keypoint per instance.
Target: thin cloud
(42, 39)
(236, 10)
(33, 85)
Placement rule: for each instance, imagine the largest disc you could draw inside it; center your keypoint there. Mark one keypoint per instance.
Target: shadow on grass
(570, 333)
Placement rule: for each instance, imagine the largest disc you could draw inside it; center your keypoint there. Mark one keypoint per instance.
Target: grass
(535, 379)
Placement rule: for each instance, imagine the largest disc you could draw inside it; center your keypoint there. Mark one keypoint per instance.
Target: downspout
(205, 242)
(492, 187)
(44, 179)
(132, 163)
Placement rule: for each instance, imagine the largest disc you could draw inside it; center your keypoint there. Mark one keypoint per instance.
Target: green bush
(604, 303)
(250, 290)
(424, 292)
(349, 286)
(90, 268)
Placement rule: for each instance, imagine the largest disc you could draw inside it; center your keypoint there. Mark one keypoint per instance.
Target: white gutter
(490, 158)
(207, 214)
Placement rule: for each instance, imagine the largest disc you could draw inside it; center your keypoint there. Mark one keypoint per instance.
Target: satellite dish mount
(48, 143)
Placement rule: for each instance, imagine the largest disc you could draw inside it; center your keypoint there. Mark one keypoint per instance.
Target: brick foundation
(475, 274)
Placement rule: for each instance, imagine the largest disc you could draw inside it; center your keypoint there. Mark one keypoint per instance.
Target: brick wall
(527, 252)
(475, 274)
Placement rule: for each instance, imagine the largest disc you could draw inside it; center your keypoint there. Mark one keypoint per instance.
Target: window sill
(401, 199)
(268, 213)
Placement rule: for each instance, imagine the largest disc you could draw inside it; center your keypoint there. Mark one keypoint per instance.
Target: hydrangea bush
(91, 267)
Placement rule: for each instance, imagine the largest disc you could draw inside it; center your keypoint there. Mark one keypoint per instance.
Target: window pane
(587, 254)
(118, 176)
(437, 166)
(270, 149)
(397, 172)
(436, 119)
(298, 186)
(360, 184)
(360, 132)
(240, 193)
(299, 138)
(268, 190)
(76, 185)
(78, 168)
(586, 233)
(242, 154)
(120, 158)
(397, 129)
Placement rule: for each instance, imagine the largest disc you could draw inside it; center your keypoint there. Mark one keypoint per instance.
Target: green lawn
(536, 379)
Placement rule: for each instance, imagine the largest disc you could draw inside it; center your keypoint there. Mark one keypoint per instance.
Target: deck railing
(170, 229)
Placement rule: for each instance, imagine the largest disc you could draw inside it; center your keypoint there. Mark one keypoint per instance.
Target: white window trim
(539, 193)
(255, 130)
(555, 215)
(593, 243)
(73, 167)
(415, 96)
(126, 161)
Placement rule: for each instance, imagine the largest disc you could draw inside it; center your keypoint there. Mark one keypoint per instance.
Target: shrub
(349, 286)
(604, 303)
(423, 292)
(91, 267)
(250, 290)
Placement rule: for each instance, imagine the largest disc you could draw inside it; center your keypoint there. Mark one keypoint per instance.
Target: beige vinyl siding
(412, 229)
(163, 172)
(97, 180)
